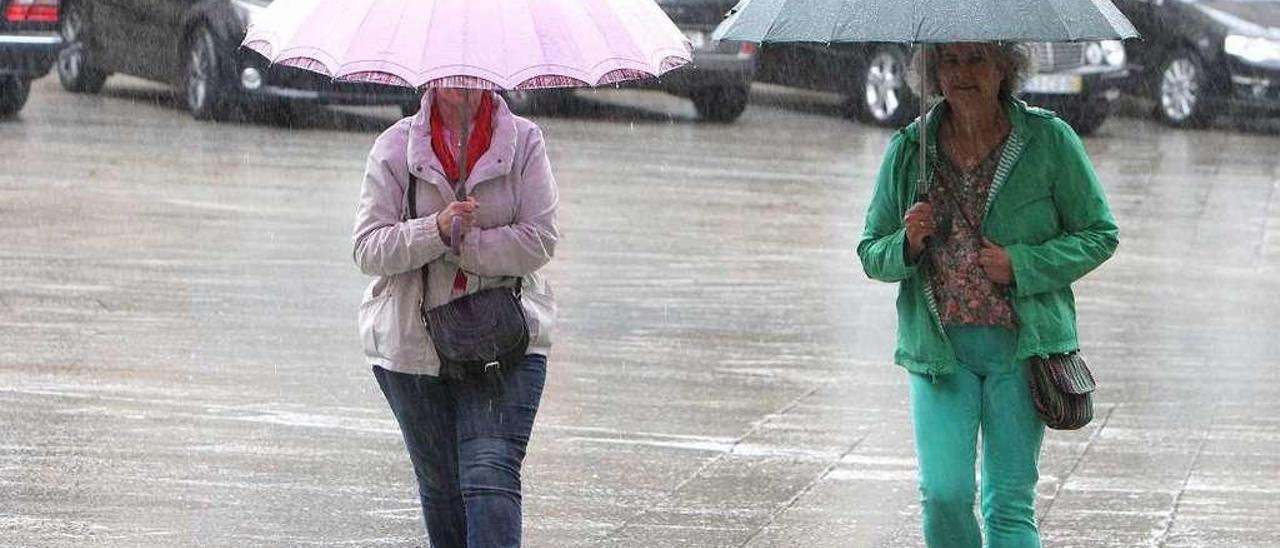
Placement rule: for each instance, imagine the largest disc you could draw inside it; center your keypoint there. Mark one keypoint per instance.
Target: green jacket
(1046, 209)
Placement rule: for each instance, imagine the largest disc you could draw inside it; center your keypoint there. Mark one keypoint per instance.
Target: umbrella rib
(1062, 21)
(431, 23)
(774, 23)
(368, 12)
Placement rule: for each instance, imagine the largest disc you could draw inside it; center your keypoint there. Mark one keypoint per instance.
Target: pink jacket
(516, 235)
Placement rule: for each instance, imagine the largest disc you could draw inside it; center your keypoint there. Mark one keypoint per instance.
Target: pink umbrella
(488, 44)
(485, 44)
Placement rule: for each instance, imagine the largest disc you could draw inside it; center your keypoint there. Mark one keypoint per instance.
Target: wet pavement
(181, 365)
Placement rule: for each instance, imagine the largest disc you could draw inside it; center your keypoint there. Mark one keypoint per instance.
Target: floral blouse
(965, 296)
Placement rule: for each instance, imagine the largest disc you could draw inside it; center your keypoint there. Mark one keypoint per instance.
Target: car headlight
(1252, 48)
(1107, 52)
(1113, 52)
(1093, 54)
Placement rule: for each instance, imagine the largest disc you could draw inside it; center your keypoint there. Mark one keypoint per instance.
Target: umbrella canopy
(486, 44)
(935, 21)
(924, 21)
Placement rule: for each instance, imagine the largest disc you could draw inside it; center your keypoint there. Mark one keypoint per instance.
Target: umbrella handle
(455, 236)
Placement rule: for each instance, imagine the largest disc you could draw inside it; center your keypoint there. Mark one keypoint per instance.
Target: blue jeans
(467, 444)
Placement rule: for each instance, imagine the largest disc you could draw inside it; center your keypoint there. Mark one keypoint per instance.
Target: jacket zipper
(1008, 158)
(931, 300)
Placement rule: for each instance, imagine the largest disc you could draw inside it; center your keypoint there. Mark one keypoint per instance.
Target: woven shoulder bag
(1062, 389)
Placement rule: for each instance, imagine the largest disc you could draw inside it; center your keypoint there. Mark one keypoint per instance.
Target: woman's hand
(464, 211)
(995, 262)
(920, 226)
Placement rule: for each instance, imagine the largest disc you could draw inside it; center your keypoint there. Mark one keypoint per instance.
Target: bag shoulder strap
(412, 197)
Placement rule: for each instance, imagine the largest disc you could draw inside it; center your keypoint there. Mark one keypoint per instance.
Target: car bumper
(1083, 86)
(709, 69)
(1255, 87)
(292, 84)
(28, 55)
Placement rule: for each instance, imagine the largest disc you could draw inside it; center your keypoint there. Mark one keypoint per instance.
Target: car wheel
(882, 96)
(74, 70)
(721, 104)
(13, 94)
(539, 101)
(204, 84)
(1180, 91)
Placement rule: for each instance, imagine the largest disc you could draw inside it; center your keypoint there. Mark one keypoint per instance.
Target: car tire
(881, 95)
(13, 95)
(721, 104)
(206, 89)
(75, 72)
(1180, 91)
(539, 101)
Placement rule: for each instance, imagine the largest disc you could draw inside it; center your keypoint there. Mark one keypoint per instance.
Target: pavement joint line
(1044, 518)
(755, 427)
(803, 491)
(1162, 537)
(1260, 250)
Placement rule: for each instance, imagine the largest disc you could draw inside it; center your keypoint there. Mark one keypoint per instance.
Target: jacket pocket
(376, 318)
(539, 308)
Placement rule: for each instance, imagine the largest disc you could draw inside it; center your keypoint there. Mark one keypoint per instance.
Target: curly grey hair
(1013, 58)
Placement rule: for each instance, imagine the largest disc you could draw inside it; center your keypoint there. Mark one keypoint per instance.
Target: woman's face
(969, 75)
(451, 100)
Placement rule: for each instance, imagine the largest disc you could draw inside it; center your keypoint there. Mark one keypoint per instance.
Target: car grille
(1056, 56)
(695, 13)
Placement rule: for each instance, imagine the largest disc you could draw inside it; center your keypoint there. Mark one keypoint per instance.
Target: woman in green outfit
(1013, 214)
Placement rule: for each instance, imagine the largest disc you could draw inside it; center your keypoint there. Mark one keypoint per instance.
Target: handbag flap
(1070, 374)
(480, 326)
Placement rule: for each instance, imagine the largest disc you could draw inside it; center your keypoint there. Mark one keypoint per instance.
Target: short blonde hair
(1013, 58)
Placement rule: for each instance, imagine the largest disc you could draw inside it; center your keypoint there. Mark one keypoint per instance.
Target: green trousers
(987, 393)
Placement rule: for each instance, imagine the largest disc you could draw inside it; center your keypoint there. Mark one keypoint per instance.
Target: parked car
(1199, 58)
(196, 47)
(1079, 80)
(29, 43)
(718, 80)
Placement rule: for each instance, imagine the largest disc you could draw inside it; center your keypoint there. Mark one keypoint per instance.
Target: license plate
(697, 38)
(1055, 84)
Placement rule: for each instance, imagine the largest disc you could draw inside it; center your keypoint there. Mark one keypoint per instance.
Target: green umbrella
(934, 21)
(924, 21)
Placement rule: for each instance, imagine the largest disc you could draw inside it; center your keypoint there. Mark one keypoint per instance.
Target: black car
(1079, 80)
(1199, 58)
(718, 80)
(29, 43)
(195, 45)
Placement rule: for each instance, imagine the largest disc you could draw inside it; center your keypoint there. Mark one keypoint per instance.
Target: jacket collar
(496, 162)
(1014, 108)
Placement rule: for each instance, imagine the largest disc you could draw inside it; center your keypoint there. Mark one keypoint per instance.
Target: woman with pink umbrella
(466, 440)
(457, 216)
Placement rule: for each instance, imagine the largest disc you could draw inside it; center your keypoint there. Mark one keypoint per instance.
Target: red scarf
(481, 135)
